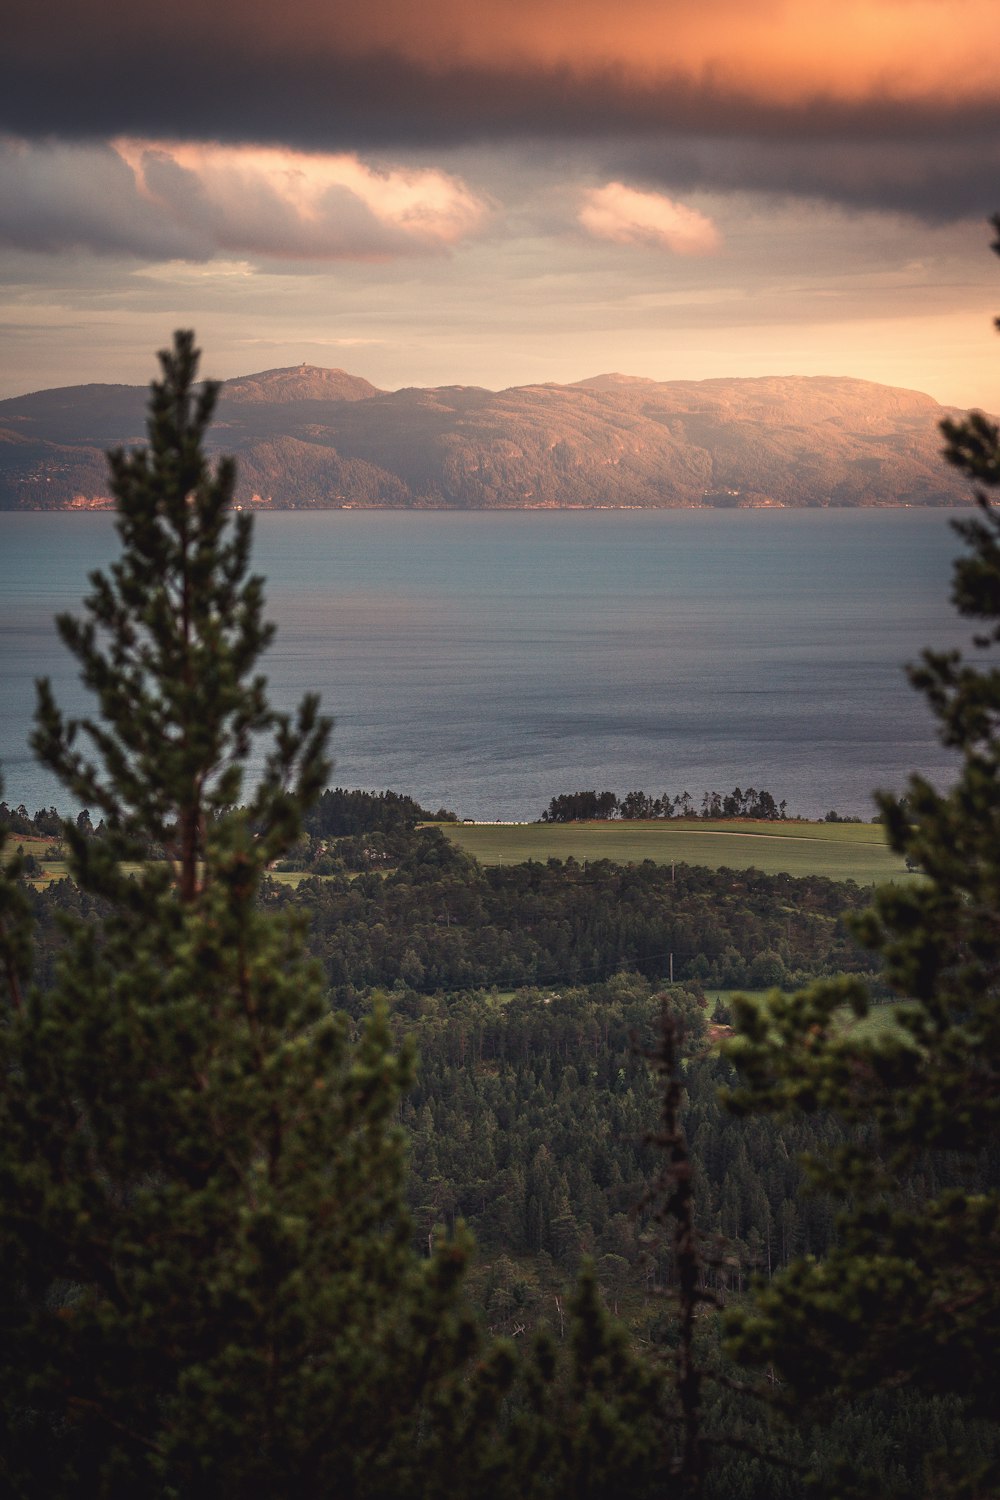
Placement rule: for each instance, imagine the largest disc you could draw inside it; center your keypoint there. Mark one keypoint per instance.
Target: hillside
(307, 437)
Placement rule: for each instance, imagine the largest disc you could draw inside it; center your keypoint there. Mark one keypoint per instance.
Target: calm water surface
(489, 662)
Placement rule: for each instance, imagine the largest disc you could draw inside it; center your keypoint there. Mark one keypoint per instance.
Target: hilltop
(316, 438)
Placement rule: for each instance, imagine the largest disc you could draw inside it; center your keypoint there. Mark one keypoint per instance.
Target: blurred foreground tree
(910, 1296)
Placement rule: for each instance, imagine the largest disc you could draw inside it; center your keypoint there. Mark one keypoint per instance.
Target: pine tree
(207, 1281)
(168, 647)
(910, 1295)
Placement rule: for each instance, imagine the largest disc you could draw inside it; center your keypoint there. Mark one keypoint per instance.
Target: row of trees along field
(210, 1280)
(572, 807)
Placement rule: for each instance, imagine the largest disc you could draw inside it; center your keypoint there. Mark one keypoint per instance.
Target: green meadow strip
(842, 851)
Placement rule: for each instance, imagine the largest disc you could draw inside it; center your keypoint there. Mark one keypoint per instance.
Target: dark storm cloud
(352, 80)
(937, 182)
(329, 103)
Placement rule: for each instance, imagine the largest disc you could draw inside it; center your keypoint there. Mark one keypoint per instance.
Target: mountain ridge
(309, 437)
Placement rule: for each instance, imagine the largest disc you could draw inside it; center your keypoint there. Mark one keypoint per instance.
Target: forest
(415, 1178)
(532, 994)
(532, 998)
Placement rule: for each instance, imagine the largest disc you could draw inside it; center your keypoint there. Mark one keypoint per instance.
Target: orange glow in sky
(783, 49)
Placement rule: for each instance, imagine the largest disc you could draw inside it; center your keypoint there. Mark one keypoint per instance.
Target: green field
(29, 843)
(843, 851)
(52, 868)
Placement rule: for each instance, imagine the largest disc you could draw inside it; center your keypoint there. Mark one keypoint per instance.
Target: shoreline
(105, 506)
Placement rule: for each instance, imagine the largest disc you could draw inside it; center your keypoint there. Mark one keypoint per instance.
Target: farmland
(841, 851)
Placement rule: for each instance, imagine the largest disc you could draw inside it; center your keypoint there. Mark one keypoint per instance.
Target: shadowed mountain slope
(306, 437)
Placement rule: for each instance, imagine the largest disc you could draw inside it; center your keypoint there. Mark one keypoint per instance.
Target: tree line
(573, 807)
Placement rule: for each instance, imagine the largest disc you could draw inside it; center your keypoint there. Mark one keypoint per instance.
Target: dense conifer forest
(530, 1112)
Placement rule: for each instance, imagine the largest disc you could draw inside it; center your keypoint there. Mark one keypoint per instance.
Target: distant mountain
(312, 438)
(300, 383)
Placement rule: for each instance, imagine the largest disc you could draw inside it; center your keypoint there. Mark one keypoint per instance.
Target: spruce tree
(909, 1298)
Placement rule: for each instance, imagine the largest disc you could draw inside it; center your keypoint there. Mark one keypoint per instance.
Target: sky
(502, 192)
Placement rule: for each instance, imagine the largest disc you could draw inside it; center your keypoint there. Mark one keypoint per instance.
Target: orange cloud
(292, 204)
(630, 217)
(785, 50)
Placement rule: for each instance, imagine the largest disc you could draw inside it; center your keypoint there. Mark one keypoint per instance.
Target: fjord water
(490, 661)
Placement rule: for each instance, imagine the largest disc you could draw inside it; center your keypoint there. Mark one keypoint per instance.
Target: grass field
(843, 851)
(52, 869)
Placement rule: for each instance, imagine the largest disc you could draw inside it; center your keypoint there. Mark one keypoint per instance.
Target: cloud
(768, 94)
(287, 204)
(66, 197)
(774, 49)
(193, 200)
(630, 217)
(936, 181)
(333, 101)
